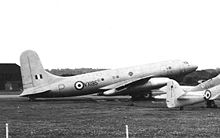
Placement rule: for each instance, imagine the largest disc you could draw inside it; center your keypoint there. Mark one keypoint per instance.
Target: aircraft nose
(192, 67)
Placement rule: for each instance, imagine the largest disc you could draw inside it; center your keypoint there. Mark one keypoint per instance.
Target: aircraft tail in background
(173, 93)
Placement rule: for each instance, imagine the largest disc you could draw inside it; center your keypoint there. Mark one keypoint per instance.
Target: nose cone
(191, 68)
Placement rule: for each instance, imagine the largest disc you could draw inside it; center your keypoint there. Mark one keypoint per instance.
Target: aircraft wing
(34, 90)
(122, 85)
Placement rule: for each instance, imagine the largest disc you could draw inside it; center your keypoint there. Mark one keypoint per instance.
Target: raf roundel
(79, 85)
(207, 94)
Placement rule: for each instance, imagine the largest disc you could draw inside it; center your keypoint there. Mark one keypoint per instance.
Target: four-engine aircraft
(137, 80)
(177, 97)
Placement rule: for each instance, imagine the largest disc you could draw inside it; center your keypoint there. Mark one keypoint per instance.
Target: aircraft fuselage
(94, 82)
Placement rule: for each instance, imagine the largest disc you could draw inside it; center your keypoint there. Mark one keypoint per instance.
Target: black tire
(181, 108)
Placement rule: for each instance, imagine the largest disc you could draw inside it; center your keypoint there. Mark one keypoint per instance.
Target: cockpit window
(185, 62)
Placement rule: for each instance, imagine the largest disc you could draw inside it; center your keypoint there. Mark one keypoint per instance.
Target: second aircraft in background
(180, 96)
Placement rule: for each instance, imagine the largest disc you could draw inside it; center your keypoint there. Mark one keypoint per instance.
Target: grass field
(78, 118)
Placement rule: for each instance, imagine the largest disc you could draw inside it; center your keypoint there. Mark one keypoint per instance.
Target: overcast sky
(111, 33)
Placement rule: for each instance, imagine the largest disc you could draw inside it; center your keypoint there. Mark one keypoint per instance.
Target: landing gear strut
(181, 107)
(211, 104)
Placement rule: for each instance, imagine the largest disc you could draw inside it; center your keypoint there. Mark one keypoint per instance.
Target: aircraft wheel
(142, 97)
(181, 108)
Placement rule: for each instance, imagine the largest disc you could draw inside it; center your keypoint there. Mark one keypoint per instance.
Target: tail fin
(32, 71)
(173, 93)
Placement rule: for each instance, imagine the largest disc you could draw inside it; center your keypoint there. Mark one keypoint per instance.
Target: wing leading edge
(117, 88)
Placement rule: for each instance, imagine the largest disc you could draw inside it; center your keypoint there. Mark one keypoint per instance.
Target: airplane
(177, 97)
(200, 87)
(133, 81)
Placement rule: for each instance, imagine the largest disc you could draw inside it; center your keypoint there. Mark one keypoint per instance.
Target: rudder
(32, 71)
(173, 93)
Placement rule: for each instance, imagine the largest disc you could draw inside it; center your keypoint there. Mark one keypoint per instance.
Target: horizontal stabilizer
(162, 96)
(35, 79)
(33, 90)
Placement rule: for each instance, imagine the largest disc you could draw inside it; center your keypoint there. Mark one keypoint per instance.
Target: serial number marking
(92, 83)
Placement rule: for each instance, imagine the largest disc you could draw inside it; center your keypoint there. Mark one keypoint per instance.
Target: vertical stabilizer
(32, 71)
(173, 93)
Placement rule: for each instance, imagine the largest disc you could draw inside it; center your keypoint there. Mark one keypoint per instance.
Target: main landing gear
(142, 97)
(181, 108)
(211, 104)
